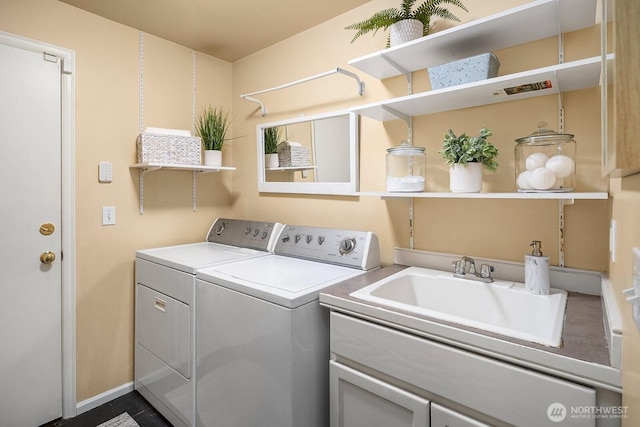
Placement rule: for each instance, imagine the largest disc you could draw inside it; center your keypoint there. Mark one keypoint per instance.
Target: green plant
(464, 149)
(271, 140)
(212, 127)
(423, 13)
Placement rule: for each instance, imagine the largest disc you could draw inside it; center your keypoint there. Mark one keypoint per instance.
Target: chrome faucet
(465, 268)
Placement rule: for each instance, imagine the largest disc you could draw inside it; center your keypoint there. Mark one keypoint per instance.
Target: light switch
(105, 172)
(108, 215)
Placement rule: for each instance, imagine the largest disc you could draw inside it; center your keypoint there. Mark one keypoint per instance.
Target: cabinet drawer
(358, 400)
(503, 391)
(445, 417)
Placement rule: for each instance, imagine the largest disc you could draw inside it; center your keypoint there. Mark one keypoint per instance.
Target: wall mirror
(315, 154)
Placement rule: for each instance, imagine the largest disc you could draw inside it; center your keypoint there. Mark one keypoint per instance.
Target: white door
(30, 199)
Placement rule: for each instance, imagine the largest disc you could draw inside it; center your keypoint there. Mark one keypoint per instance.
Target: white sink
(502, 307)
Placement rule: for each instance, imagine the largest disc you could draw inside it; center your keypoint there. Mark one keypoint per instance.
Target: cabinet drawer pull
(160, 304)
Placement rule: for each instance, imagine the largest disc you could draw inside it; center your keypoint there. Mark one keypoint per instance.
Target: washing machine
(262, 338)
(165, 310)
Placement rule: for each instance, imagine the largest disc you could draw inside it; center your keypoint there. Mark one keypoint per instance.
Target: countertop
(583, 354)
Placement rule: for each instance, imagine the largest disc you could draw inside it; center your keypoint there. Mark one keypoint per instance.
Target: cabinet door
(445, 417)
(358, 400)
(620, 95)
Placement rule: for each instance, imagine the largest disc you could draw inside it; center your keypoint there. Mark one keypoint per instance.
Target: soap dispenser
(536, 270)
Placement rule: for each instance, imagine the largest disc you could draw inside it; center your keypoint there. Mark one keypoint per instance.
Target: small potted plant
(212, 127)
(466, 155)
(406, 23)
(271, 140)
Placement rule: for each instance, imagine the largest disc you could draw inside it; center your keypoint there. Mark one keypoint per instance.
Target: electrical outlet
(108, 215)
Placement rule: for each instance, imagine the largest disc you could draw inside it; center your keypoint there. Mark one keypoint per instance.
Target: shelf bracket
(408, 119)
(263, 108)
(561, 229)
(406, 73)
(143, 171)
(195, 174)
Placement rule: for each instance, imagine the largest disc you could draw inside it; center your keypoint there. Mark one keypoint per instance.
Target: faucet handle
(458, 267)
(486, 270)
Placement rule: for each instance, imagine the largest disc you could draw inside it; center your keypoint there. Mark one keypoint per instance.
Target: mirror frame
(349, 188)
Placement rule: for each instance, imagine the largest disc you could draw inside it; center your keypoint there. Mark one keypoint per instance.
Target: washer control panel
(242, 233)
(357, 249)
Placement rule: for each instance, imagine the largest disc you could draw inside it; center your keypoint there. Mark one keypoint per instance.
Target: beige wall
(107, 124)
(626, 206)
(441, 225)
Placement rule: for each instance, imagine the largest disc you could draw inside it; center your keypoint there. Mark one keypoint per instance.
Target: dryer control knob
(347, 245)
(219, 229)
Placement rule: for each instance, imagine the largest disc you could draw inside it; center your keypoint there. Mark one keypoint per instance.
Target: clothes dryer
(262, 338)
(165, 310)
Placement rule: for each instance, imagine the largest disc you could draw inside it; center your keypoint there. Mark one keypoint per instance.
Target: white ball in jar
(523, 181)
(536, 160)
(542, 179)
(561, 165)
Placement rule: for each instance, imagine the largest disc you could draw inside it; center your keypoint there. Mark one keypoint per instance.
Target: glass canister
(406, 166)
(545, 161)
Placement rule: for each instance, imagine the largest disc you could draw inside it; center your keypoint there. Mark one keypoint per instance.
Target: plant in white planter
(406, 23)
(272, 138)
(212, 127)
(466, 155)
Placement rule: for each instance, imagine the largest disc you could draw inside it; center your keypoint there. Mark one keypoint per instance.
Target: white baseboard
(102, 398)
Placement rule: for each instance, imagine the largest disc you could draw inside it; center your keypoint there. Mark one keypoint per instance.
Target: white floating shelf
(197, 168)
(533, 21)
(514, 195)
(567, 77)
(292, 168)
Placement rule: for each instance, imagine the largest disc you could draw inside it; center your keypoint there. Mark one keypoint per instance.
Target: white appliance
(165, 310)
(262, 339)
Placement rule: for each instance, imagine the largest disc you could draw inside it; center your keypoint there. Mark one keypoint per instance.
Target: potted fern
(272, 138)
(406, 23)
(466, 155)
(212, 127)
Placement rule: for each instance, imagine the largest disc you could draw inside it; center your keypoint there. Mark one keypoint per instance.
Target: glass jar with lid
(406, 166)
(545, 161)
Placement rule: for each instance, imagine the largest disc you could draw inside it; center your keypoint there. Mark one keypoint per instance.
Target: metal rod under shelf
(249, 96)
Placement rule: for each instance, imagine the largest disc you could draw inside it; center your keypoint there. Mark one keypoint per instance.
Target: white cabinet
(375, 366)
(445, 417)
(359, 400)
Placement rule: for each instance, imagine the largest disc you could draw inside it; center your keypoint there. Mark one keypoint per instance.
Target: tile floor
(132, 403)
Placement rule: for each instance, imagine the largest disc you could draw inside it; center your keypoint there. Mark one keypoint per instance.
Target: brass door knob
(47, 257)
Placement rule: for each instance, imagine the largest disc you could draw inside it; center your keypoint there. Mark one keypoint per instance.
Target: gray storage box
(467, 70)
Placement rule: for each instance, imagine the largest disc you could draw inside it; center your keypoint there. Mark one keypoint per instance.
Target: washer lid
(283, 280)
(190, 257)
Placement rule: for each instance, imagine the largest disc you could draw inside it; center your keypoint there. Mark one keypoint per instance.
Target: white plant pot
(405, 31)
(271, 161)
(212, 158)
(465, 179)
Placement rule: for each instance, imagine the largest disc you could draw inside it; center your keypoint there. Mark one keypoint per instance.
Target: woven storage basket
(169, 149)
(293, 155)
